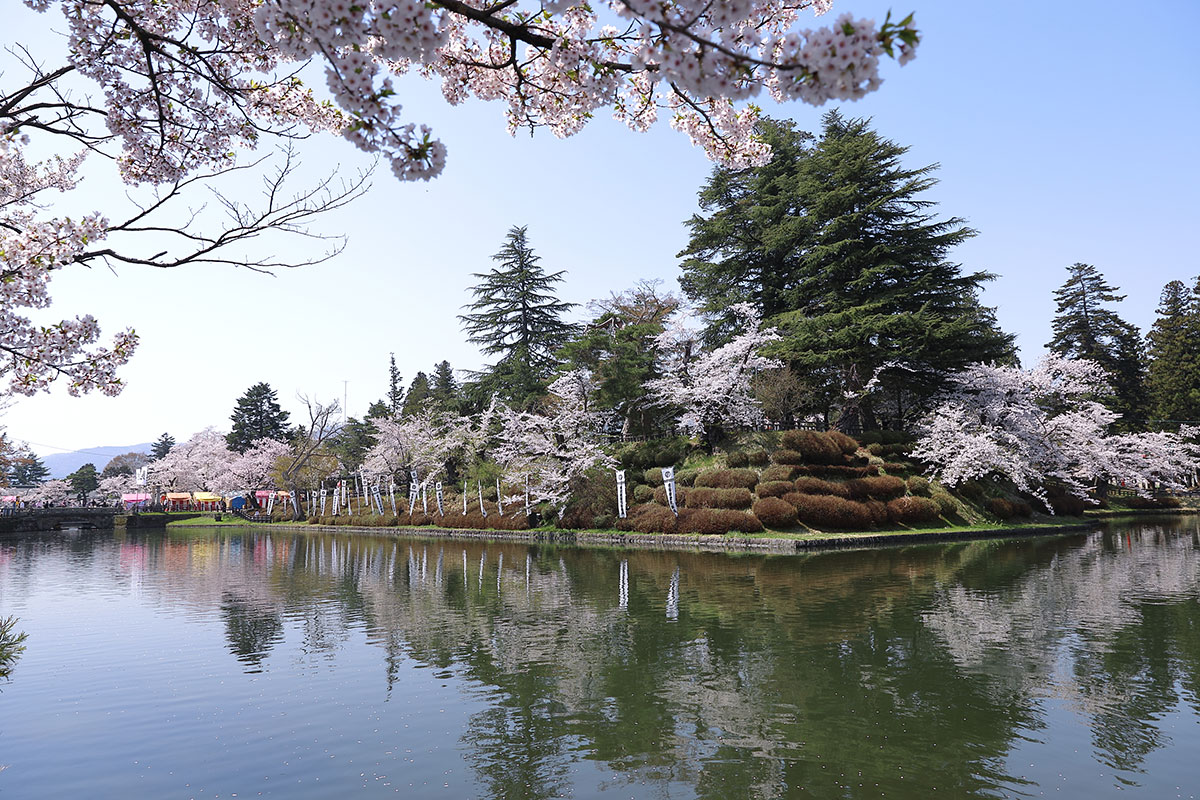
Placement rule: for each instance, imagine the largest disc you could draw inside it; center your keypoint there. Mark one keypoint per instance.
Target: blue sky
(1065, 132)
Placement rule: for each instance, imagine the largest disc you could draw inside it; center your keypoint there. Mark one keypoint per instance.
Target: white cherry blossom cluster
(715, 388)
(1030, 426)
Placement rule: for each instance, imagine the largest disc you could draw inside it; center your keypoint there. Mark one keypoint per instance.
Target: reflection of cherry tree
(1033, 425)
(715, 389)
(197, 464)
(557, 447)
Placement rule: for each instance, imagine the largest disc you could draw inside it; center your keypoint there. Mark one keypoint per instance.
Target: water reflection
(851, 674)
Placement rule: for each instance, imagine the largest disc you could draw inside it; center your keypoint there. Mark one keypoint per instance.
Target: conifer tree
(1085, 328)
(84, 480)
(444, 388)
(836, 244)
(256, 416)
(1173, 377)
(161, 447)
(27, 469)
(516, 316)
(395, 395)
(418, 393)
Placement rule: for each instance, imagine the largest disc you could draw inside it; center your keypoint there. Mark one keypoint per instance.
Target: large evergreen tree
(1173, 379)
(161, 447)
(418, 393)
(256, 416)
(443, 387)
(395, 395)
(1085, 327)
(516, 316)
(84, 480)
(836, 243)
(27, 469)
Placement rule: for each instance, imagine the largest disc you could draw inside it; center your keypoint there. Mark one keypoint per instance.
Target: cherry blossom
(714, 389)
(1031, 426)
(199, 464)
(253, 469)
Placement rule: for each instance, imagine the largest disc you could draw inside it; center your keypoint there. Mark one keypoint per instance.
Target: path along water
(222, 662)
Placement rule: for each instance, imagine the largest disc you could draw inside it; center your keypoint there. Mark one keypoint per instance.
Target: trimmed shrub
(728, 478)
(919, 486)
(875, 449)
(790, 457)
(841, 441)
(883, 487)
(686, 477)
(681, 495)
(1000, 508)
(895, 466)
(603, 522)
(651, 519)
(947, 505)
(718, 498)
(1137, 501)
(779, 472)
(1022, 509)
(972, 490)
(878, 511)
(775, 512)
(773, 488)
(736, 459)
(420, 518)
(841, 470)
(815, 448)
(817, 486)
(717, 522)
(653, 476)
(827, 511)
(759, 458)
(912, 509)
(1068, 505)
(642, 493)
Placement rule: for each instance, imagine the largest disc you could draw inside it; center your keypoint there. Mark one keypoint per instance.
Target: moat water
(242, 663)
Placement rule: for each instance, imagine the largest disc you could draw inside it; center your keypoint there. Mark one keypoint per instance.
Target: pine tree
(163, 446)
(836, 243)
(418, 393)
(84, 480)
(517, 317)
(256, 416)
(1173, 379)
(1085, 328)
(395, 395)
(27, 469)
(444, 388)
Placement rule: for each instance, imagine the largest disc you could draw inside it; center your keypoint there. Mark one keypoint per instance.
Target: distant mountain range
(63, 464)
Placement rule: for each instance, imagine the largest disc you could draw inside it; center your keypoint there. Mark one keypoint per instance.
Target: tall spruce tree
(836, 243)
(161, 447)
(516, 316)
(395, 395)
(257, 415)
(443, 387)
(1173, 375)
(1084, 327)
(418, 393)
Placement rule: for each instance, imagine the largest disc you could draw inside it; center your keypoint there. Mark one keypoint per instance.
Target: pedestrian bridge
(56, 519)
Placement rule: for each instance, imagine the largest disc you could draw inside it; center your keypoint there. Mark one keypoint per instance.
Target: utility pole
(345, 399)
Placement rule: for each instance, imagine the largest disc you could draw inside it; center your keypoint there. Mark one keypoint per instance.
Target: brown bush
(643, 493)
(653, 476)
(1137, 501)
(789, 457)
(419, 518)
(717, 521)
(719, 498)
(1021, 509)
(816, 448)
(728, 479)
(779, 472)
(651, 518)
(1068, 505)
(972, 490)
(912, 509)
(773, 488)
(896, 466)
(883, 487)
(759, 458)
(681, 495)
(828, 511)
(736, 459)
(686, 477)
(841, 441)
(875, 449)
(806, 485)
(840, 470)
(1000, 508)
(878, 511)
(775, 512)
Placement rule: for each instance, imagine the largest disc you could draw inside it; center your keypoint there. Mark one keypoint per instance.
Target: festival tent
(207, 501)
(135, 500)
(177, 501)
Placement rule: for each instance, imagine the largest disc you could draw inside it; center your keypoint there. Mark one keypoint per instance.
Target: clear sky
(1065, 132)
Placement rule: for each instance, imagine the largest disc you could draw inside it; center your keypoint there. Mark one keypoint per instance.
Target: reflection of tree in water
(251, 630)
(12, 644)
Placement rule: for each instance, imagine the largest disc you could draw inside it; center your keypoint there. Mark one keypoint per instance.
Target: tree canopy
(257, 415)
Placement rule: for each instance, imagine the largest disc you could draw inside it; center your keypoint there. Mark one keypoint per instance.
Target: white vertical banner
(528, 508)
(412, 497)
(499, 499)
(622, 507)
(392, 495)
(292, 496)
(337, 498)
(378, 495)
(270, 502)
(437, 494)
(424, 498)
(465, 498)
(479, 486)
(324, 497)
(668, 475)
